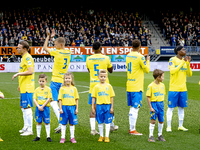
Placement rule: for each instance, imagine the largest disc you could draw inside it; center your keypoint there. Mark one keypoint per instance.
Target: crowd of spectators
(180, 27)
(79, 27)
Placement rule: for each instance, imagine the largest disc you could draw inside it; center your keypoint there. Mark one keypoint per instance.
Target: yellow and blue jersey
(136, 66)
(62, 59)
(68, 95)
(94, 63)
(156, 92)
(42, 95)
(27, 83)
(179, 69)
(103, 93)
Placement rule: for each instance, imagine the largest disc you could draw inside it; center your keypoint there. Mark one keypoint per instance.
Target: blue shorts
(134, 99)
(55, 87)
(42, 115)
(177, 99)
(26, 100)
(159, 111)
(103, 114)
(90, 99)
(68, 114)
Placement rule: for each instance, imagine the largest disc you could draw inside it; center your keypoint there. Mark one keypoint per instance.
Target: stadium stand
(179, 27)
(80, 27)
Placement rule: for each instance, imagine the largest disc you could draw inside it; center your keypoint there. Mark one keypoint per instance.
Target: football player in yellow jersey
(68, 103)
(42, 97)
(155, 97)
(26, 86)
(94, 63)
(1, 96)
(136, 66)
(62, 59)
(179, 70)
(103, 94)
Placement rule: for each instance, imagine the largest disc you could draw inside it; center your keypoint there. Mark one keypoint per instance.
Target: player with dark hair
(179, 69)
(136, 66)
(94, 63)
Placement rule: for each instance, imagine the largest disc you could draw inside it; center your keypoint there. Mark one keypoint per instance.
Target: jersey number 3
(65, 63)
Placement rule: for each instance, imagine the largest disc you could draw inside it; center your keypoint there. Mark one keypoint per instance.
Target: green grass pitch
(11, 120)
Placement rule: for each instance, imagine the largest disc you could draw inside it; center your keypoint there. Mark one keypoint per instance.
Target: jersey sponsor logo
(95, 81)
(170, 63)
(131, 79)
(158, 94)
(67, 96)
(132, 57)
(182, 68)
(41, 98)
(103, 93)
(145, 63)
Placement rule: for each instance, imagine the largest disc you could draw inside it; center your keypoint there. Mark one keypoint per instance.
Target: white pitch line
(84, 92)
(83, 86)
(12, 98)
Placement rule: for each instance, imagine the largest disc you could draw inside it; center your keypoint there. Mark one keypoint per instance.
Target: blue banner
(167, 50)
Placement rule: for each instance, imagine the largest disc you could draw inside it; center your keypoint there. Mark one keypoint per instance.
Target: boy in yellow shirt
(41, 98)
(94, 63)
(155, 97)
(103, 94)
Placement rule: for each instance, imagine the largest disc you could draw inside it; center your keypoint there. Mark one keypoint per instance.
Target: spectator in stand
(12, 41)
(73, 43)
(13, 58)
(143, 41)
(5, 58)
(188, 43)
(78, 41)
(173, 40)
(149, 42)
(182, 42)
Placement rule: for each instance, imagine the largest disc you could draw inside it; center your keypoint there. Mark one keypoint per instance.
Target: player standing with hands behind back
(62, 58)
(179, 69)
(136, 66)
